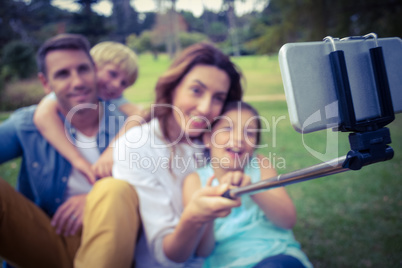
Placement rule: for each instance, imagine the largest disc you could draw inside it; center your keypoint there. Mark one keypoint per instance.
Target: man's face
(72, 77)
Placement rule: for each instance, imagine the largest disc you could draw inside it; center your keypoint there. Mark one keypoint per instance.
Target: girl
(256, 234)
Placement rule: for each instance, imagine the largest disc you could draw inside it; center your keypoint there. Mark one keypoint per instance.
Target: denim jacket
(44, 172)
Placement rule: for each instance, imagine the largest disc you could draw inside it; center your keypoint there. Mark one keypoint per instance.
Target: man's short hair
(59, 42)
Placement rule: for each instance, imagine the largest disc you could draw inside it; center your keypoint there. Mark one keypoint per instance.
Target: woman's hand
(208, 204)
(205, 205)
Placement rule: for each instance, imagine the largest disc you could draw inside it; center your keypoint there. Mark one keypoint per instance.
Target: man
(41, 226)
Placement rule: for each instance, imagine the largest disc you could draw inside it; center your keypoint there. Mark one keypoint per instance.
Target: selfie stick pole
(369, 138)
(320, 170)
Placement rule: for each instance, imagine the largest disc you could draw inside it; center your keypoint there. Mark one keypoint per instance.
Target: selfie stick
(369, 138)
(320, 170)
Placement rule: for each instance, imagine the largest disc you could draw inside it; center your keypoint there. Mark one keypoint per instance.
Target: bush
(21, 93)
(150, 41)
(188, 39)
(18, 61)
(147, 42)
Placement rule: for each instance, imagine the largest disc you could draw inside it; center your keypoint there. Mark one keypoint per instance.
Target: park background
(353, 219)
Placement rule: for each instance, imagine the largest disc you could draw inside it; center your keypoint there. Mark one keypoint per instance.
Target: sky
(104, 7)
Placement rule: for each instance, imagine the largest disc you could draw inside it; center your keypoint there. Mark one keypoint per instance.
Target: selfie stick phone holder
(368, 139)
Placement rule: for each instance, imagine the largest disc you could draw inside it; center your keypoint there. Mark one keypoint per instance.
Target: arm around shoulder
(51, 127)
(46, 114)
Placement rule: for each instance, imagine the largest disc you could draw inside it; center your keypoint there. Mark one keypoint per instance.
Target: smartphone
(309, 83)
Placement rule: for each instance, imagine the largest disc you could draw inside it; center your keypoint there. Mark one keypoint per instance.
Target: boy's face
(112, 81)
(233, 139)
(72, 77)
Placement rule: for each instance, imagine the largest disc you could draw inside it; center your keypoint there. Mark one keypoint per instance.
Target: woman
(156, 157)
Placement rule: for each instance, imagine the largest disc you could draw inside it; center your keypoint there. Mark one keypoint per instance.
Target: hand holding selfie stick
(324, 169)
(369, 138)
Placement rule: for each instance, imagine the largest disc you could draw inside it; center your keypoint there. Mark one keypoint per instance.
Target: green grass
(150, 69)
(352, 219)
(261, 73)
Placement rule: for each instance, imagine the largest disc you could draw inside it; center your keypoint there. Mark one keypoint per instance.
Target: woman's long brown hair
(200, 53)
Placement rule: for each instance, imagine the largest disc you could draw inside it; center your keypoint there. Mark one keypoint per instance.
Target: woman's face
(198, 99)
(112, 81)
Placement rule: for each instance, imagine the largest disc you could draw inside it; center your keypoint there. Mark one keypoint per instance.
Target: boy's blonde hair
(118, 54)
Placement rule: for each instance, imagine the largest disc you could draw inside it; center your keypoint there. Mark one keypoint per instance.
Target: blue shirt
(246, 236)
(119, 101)
(44, 172)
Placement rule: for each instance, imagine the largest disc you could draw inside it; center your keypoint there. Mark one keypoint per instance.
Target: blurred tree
(168, 25)
(18, 61)
(86, 4)
(284, 21)
(281, 21)
(360, 17)
(217, 31)
(124, 20)
(174, 19)
(277, 24)
(147, 41)
(11, 25)
(188, 39)
(93, 27)
(194, 24)
(45, 20)
(146, 20)
(214, 25)
(89, 23)
(228, 5)
(139, 44)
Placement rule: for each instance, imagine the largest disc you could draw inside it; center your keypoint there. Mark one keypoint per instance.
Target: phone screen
(309, 83)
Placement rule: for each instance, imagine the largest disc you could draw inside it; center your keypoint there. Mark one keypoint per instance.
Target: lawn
(262, 76)
(353, 219)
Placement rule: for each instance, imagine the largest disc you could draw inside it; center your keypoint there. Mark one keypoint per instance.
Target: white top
(142, 158)
(77, 183)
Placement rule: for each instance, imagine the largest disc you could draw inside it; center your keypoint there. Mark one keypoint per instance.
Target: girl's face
(233, 139)
(198, 99)
(112, 81)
